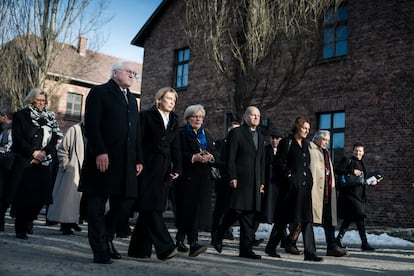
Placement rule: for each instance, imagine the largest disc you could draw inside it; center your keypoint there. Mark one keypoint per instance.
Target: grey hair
(30, 98)
(321, 133)
(192, 109)
(118, 66)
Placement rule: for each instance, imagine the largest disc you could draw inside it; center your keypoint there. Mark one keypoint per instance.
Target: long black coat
(246, 164)
(112, 127)
(162, 156)
(295, 199)
(30, 184)
(194, 187)
(351, 200)
(271, 189)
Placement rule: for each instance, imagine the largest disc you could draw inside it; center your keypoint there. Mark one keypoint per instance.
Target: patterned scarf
(199, 134)
(47, 122)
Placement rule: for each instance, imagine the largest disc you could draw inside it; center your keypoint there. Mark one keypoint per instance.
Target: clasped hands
(38, 156)
(203, 157)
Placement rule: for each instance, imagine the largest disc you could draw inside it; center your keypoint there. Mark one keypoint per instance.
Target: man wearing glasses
(113, 158)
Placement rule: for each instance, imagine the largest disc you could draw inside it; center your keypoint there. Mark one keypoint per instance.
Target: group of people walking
(120, 160)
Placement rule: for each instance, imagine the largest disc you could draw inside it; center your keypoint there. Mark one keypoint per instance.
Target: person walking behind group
(35, 132)
(162, 159)
(66, 198)
(352, 198)
(245, 168)
(194, 187)
(324, 190)
(113, 157)
(6, 191)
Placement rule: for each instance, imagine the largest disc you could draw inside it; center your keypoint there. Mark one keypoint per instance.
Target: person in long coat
(66, 198)
(352, 198)
(162, 160)
(324, 190)
(113, 157)
(294, 204)
(194, 188)
(35, 133)
(246, 164)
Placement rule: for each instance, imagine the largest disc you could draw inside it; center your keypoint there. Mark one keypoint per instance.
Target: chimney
(82, 45)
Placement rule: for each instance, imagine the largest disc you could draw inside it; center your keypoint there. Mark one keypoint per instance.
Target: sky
(128, 16)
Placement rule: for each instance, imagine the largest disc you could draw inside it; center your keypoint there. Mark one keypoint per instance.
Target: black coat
(162, 156)
(111, 126)
(246, 164)
(30, 183)
(351, 200)
(295, 199)
(194, 187)
(271, 189)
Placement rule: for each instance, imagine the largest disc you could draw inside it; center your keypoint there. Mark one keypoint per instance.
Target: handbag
(7, 160)
(351, 180)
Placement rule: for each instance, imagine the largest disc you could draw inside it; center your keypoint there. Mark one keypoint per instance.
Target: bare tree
(260, 48)
(37, 33)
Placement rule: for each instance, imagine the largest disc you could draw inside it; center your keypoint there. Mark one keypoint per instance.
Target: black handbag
(7, 160)
(351, 180)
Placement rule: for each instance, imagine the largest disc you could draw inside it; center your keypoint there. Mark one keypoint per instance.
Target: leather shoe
(168, 254)
(292, 249)
(228, 236)
(102, 260)
(218, 244)
(22, 236)
(257, 242)
(250, 255)
(272, 252)
(112, 251)
(313, 258)
(181, 247)
(196, 249)
(336, 252)
(76, 227)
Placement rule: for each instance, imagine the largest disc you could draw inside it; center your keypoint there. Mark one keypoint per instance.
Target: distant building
(362, 90)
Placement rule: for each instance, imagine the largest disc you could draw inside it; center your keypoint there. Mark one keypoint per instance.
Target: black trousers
(329, 229)
(101, 226)
(246, 220)
(25, 214)
(150, 229)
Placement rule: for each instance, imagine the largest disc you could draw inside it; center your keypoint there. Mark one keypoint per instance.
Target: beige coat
(66, 198)
(317, 166)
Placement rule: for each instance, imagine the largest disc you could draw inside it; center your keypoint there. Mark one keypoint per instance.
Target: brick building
(362, 90)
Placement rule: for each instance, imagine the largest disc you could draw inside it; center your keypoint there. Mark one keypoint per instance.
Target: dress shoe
(272, 252)
(257, 242)
(181, 247)
(76, 227)
(132, 255)
(228, 236)
(67, 232)
(292, 249)
(313, 258)
(22, 236)
(218, 244)
(168, 254)
(366, 247)
(102, 260)
(196, 249)
(250, 255)
(112, 251)
(339, 242)
(336, 252)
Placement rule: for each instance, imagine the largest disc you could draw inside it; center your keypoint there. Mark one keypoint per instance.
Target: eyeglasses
(197, 117)
(40, 100)
(129, 72)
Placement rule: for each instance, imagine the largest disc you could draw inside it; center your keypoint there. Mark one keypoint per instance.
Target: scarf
(199, 134)
(5, 137)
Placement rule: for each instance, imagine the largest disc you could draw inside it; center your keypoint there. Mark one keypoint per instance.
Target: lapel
(249, 136)
(117, 92)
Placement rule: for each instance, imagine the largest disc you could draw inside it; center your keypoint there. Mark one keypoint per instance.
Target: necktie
(124, 91)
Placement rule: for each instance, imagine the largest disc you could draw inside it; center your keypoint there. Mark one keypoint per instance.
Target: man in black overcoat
(245, 168)
(113, 157)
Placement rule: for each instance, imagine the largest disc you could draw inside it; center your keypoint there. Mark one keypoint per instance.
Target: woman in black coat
(35, 133)
(162, 161)
(194, 188)
(352, 198)
(293, 174)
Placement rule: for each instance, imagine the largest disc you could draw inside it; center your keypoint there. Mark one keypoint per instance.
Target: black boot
(338, 239)
(364, 241)
(112, 251)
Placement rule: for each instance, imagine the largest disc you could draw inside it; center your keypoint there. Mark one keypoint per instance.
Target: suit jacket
(162, 156)
(111, 126)
(246, 164)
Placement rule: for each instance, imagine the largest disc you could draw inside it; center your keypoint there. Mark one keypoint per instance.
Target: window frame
(70, 113)
(336, 153)
(335, 24)
(182, 68)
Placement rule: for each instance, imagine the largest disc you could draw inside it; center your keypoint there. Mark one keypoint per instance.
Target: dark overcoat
(295, 199)
(112, 127)
(30, 183)
(162, 156)
(246, 164)
(352, 199)
(271, 189)
(194, 187)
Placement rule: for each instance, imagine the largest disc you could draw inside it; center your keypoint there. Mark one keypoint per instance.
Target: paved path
(48, 252)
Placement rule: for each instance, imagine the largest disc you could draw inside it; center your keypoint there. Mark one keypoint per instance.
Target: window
(73, 106)
(181, 75)
(335, 123)
(335, 32)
